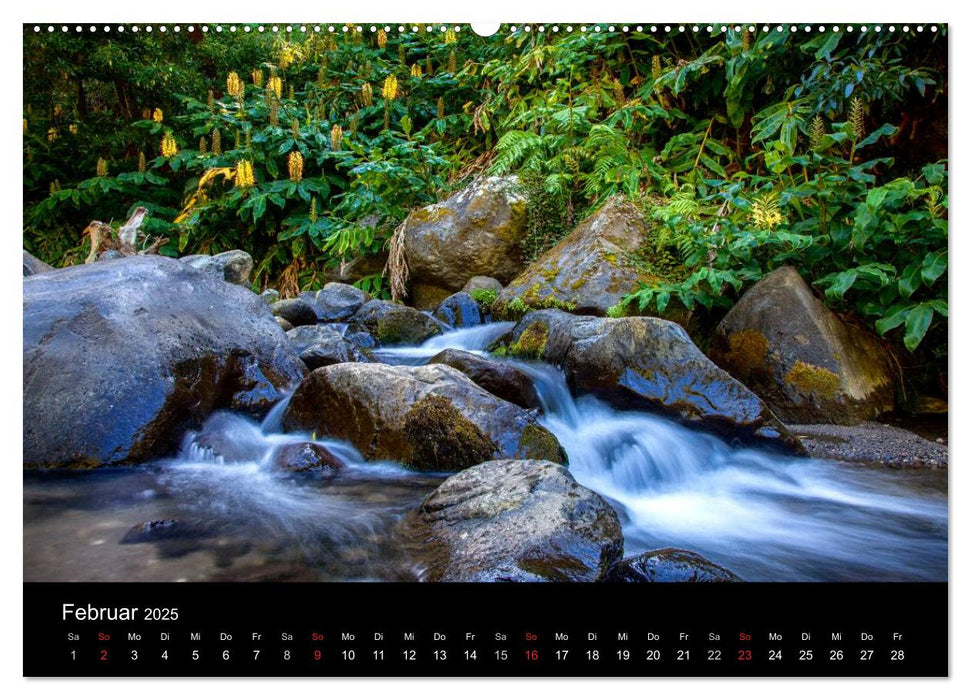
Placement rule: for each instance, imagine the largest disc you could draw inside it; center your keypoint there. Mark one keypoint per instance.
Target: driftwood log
(128, 240)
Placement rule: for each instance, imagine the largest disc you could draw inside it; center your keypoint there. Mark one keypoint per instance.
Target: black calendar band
(434, 630)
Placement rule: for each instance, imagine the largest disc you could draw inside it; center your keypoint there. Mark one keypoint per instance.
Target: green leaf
(910, 280)
(933, 266)
(888, 323)
(918, 321)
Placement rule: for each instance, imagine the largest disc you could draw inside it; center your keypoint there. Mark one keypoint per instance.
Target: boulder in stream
(430, 418)
(121, 357)
(648, 364)
(498, 378)
(394, 324)
(517, 520)
(668, 566)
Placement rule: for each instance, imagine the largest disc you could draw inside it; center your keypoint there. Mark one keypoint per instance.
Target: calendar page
(396, 349)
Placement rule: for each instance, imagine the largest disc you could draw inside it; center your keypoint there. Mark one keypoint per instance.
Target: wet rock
(512, 520)
(498, 378)
(158, 530)
(480, 283)
(284, 324)
(323, 345)
(34, 265)
(430, 418)
(338, 302)
(459, 311)
(393, 324)
(363, 341)
(668, 566)
(806, 364)
(297, 311)
(233, 266)
(308, 457)
(648, 364)
(270, 296)
(871, 443)
(478, 231)
(588, 271)
(120, 358)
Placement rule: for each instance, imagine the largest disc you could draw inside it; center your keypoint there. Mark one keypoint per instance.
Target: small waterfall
(763, 515)
(475, 339)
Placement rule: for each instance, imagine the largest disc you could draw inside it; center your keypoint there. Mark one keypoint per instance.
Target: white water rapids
(765, 516)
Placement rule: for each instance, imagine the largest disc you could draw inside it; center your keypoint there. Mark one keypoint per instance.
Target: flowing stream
(765, 516)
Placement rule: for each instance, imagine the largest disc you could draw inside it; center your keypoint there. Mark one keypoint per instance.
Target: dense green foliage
(750, 150)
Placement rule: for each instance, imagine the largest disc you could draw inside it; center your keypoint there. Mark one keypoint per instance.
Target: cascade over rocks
(477, 231)
(588, 271)
(668, 566)
(122, 356)
(393, 324)
(807, 365)
(513, 520)
(646, 363)
(431, 418)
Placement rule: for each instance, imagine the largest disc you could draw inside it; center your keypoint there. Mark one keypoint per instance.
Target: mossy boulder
(498, 378)
(590, 270)
(477, 231)
(806, 364)
(517, 520)
(122, 357)
(430, 418)
(649, 364)
(393, 324)
(669, 566)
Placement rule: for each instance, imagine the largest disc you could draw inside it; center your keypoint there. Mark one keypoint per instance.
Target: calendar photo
(421, 303)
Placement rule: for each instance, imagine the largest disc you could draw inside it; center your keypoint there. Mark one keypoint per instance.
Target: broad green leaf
(915, 327)
(933, 266)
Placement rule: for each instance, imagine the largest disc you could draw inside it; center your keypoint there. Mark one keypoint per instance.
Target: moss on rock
(809, 379)
(531, 342)
(441, 438)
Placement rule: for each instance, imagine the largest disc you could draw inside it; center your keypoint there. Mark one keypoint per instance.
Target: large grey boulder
(121, 357)
(512, 520)
(588, 271)
(806, 364)
(477, 231)
(430, 418)
(233, 266)
(322, 345)
(649, 364)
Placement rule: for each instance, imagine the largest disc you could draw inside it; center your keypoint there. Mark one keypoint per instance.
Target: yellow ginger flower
(169, 147)
(258, 78)
(766, 213)
(415, 71)
(367, 95)
(655, 67)
(382, 38)
(336, 137)
(450, 37)
(202, 146)
(54, 186)
(313, 210)
(142, 162)
(453, 63)
(244, 174)
(157, 115)
(58, 111)
(217, 143)
(390, 89)
(295, 164)
(440, 106)
(52, 135)
(234, 86)
(101, 169)
(275, 85)
(73, 128)
(857, 118)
